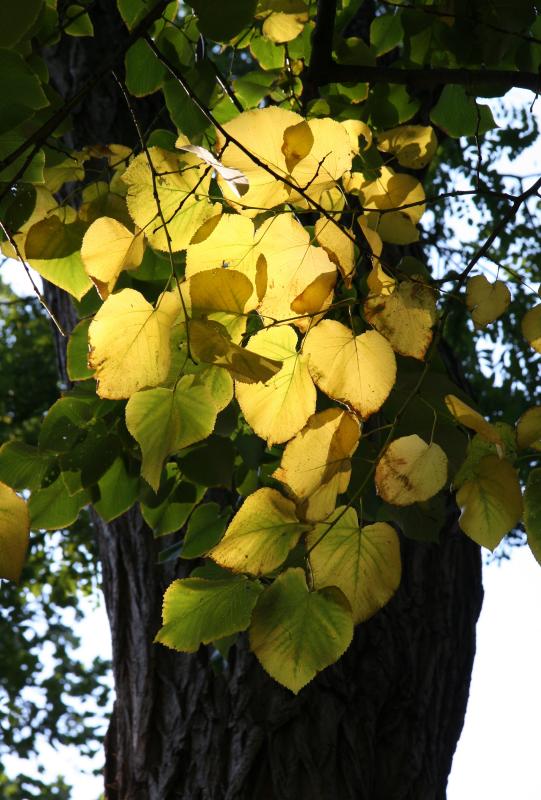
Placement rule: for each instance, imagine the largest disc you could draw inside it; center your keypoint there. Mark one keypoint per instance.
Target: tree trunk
(381, 724)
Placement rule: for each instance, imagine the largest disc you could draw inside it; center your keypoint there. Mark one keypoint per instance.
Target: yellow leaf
(410, 471)
(129, 342)
(211, 343)
(230, 243)
(261, 534)
(372, 237)
(357, 129)
(280, 27)
(394, 227)
(277, 409)
(405, 317)
(357, 370)
(363, 562)
(234, 178)
(223, 296)
(379, 282)
(296, 633)
(491, 502)
(182, 188)
(338, 246)
(529, 429)
(260, 131)
(14, 533)
(413, 145)
(299, 278)
(316, 464)
(486, 301)
(298, 141)
(107, 249)
(329, 158)
(393, 191)
(472, 419)
(531, 327)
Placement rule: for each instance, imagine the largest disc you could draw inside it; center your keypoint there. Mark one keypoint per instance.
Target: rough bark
(381, 724)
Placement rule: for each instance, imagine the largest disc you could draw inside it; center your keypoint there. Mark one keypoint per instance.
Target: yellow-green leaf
(531, 327)
(108, 248)
(14, 533)
(357, 370)
(470, 418)
(278, 408)
(486, 301)
(129, 342)
(164, 421)
(182, 189)
(316, 464)
(280, 27)
(363, 562)
(410, 471)
(53, 249)
(405, 317)
(532, 512)
(296, 633)
(211, 343)
(529, 429)
(198, 611)
(491, 502)
(261, 534)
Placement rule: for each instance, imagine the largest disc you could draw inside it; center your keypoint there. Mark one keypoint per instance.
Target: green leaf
(164, 421)
(171, 514)
(210, 463)
(458, 114)
(144, 72)
(54, 508)
(205, 529)
(77, 353)
(81, 24)
(65, 423)
(183, 111)
(532, 512)
(222, 21)
(23, 466)
(14, 533)
(268, 54)
(16, 19)
(10, 141)
(118, 491)
(198, 611)
(18, 83)
(386, 33)
(296, 633)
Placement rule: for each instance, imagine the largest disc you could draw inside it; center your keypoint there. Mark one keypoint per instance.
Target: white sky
(498, 753)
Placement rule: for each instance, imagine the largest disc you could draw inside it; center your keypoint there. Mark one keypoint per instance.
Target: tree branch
(322, 37)
(425, 78)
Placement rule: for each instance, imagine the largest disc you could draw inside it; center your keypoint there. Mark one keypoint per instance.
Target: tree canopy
(279, 348)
